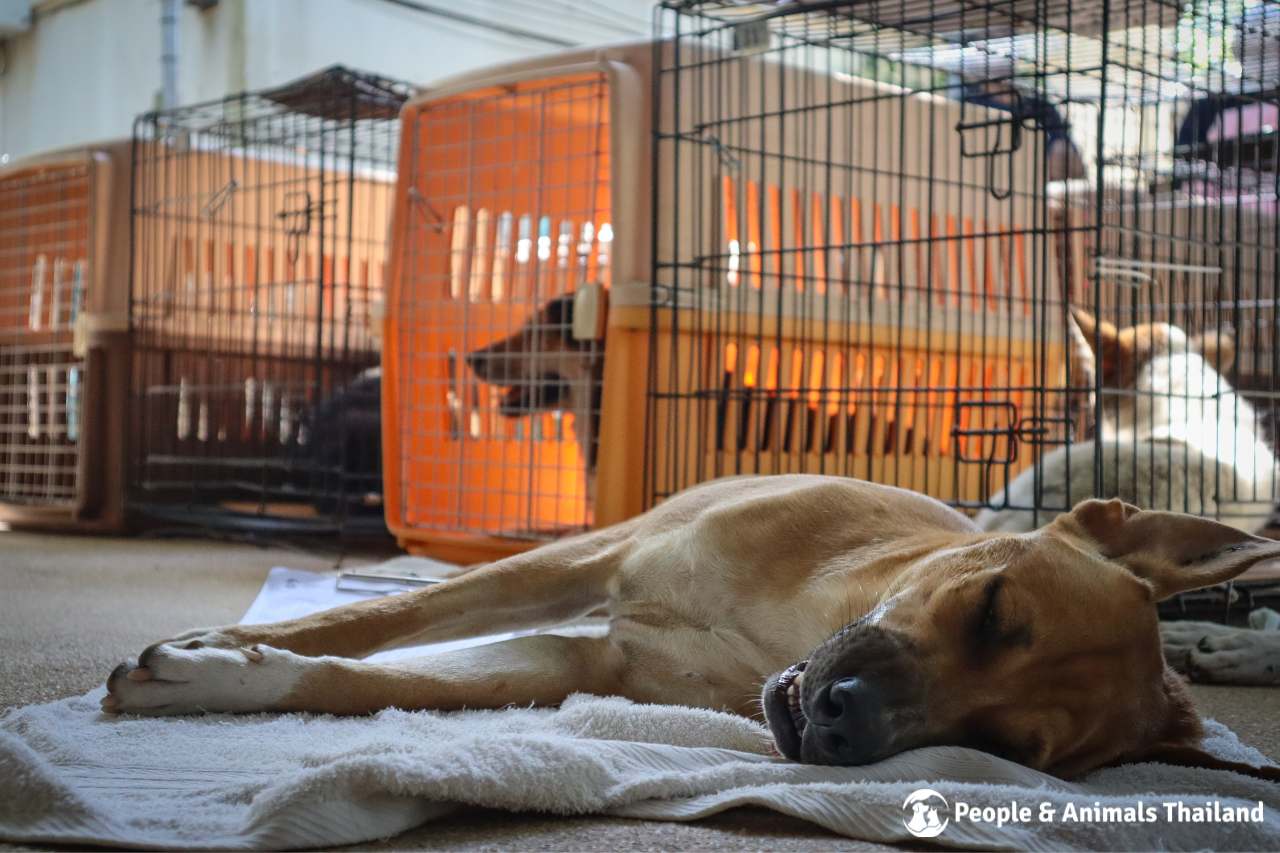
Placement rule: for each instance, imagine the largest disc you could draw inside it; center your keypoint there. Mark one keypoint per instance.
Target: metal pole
(169, 20)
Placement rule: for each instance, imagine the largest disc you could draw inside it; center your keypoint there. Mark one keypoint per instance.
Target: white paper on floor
(290, 593)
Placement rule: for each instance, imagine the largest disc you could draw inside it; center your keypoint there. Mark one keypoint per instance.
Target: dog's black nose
(848, 722)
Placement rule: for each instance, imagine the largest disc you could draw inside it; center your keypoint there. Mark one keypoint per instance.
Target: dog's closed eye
(992, 628)
(988, 617)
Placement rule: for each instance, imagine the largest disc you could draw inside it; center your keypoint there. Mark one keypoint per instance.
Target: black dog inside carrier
(259, 254)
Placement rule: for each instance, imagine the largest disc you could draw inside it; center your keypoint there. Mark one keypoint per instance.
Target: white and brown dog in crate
(1174, 434)
(863, 620)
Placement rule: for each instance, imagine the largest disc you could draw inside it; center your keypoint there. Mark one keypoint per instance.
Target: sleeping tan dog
(865, 619)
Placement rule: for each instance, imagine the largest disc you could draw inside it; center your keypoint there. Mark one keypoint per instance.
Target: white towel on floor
(69, 774)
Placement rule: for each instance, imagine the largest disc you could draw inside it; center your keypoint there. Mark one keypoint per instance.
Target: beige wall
(85, 68)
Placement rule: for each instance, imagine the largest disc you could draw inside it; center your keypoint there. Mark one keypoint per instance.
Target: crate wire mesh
(504, 232)
(44, 216)
(855, 267)
(62, 278)
(823, 232)
(260, 224)
(1181, 229)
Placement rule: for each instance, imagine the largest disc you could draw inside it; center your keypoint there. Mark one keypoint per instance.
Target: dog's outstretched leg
(543, 587)
(540, 670)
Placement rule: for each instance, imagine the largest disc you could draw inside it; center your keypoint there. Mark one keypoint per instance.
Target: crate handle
(91, 326)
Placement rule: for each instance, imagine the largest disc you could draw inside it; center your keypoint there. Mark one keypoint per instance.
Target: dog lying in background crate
(863, 619)
(1182, 439)
(1174, 435)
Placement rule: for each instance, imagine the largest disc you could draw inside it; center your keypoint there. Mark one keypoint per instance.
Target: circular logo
(925, 813)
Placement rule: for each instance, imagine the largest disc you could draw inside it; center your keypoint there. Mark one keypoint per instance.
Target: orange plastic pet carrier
(64, 302)
(821, 299)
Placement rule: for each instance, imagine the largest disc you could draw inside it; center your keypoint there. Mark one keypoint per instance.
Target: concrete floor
(72, 607)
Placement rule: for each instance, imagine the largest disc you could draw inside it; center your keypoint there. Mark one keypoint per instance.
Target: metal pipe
(169, 20)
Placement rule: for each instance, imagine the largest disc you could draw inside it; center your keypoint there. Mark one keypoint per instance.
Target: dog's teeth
(793, 688)
(799, 679)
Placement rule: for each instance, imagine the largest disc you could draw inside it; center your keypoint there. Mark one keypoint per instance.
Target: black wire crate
(1008, 254)
(853, 258)
(259, 253)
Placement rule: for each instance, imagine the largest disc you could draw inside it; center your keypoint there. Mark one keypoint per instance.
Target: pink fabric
(1245, 121)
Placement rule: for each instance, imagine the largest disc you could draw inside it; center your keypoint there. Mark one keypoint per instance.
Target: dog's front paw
(192, 675)
(1179, 639)
(1242, 656)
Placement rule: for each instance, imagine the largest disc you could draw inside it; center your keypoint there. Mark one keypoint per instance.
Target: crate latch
(590, 309)
(992, 144)
(997, 427)
(1003, 423)
(91, 327)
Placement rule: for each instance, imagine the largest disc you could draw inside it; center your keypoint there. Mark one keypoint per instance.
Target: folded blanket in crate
(70, 775)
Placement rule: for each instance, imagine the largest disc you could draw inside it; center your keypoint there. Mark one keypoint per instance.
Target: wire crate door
(864, 285)
(44, 281)
(254, 275)
(506, 218)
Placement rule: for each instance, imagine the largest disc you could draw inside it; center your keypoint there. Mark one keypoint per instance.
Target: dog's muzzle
(783, 711)
(523, 393)
(852, 702)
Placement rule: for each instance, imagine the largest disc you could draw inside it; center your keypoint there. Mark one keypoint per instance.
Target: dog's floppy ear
(1217, 347)
(1171, 551)
(559, 311)
(1180, 742)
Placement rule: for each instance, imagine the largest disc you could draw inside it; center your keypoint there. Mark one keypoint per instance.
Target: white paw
(1181, 637)
(1241, 657)
(193, 675)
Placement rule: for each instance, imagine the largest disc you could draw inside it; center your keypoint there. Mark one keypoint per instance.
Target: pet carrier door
(510, 234)
(64, 294)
